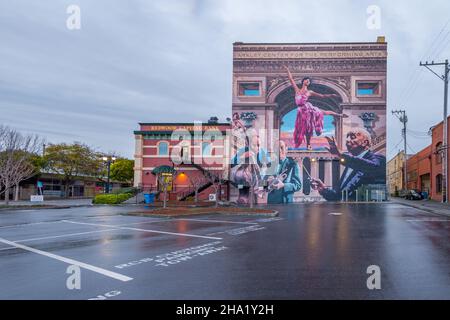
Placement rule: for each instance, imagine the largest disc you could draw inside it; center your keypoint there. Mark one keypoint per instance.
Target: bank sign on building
(308, 123)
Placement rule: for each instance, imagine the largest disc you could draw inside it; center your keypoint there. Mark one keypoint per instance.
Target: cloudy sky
(150, 60)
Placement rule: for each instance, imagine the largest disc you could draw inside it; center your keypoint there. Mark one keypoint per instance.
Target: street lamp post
(108, 161)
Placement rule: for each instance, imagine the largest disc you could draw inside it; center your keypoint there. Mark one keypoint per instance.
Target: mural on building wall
(306, 128)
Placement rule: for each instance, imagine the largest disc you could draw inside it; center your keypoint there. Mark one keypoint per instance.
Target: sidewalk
(62, 203)
(426, 205)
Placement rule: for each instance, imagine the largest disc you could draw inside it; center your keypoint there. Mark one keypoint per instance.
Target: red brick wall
(418, 165)
(151, 159)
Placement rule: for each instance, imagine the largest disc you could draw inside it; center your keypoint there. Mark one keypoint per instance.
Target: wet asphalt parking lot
(310, 251)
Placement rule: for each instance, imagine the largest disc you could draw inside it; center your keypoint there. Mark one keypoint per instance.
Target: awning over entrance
(163, 169)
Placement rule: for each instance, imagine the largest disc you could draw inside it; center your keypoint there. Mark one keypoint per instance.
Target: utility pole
(401, 115)
(444, 142)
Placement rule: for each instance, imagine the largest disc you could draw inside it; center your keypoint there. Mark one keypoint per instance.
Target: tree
(123, 170)
(217, 180)
(18, 159)
(196, 183)
(164, 181)
(71, 161)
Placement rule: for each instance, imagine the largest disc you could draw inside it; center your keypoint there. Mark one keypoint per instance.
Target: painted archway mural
(314, 118)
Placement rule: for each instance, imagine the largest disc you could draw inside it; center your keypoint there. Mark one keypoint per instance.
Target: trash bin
(149, 198)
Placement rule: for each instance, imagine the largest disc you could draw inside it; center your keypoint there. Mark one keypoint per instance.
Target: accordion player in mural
(362, 166)
(309, 118)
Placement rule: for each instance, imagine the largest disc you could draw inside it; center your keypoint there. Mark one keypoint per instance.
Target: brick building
(425, 167)
(419, 170)
(190, 149)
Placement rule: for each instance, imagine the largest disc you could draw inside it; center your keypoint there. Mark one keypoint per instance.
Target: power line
(401, 115)
(410, 148)
(414, 77)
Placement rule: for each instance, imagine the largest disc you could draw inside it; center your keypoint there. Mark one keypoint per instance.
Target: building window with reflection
(163, 149)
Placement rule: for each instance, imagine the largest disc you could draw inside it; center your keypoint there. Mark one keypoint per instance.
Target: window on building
(438, 153)
(439, 183)
(185, 154)
(163, 149)
(206, 149)
(367, 88)
(249, 89)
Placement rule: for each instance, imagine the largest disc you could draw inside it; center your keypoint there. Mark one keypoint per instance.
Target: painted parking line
(428, 220)
(83, 265)
(58, 236)
(65, 235)
(218, 221)
(145, 230)
(29, 224)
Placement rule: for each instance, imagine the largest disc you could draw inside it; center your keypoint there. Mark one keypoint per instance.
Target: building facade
(437, 148)
(190, 149)
(344, 92)
(425, 167)
(419, 171)
(395, 174)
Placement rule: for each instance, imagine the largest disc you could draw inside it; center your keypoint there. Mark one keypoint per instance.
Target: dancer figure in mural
(362, 166)
(309, 118)
(248, 167)
(287, 180)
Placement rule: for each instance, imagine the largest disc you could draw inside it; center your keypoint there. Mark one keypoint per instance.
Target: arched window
(206, 149)
(163, 149)
(439, 183)
(438, 153)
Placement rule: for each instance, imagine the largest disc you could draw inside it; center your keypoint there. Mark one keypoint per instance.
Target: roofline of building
(439, 123)
(237, 43)
(182, 124)
(142, 132)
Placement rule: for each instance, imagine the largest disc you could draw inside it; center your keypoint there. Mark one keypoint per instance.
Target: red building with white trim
(189, 148)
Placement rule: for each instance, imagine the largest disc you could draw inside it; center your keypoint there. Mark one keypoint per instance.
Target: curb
(424, 208)
(255, 214)
(44, 207)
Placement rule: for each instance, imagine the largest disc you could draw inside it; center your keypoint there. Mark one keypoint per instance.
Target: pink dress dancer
(309, 120)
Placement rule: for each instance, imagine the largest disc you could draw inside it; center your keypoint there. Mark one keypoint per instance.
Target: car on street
(413, 195)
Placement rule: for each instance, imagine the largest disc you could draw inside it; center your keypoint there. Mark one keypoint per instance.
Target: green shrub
(132, 190)
(111, 198)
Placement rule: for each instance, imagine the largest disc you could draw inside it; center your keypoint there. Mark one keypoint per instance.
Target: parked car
(413, 195)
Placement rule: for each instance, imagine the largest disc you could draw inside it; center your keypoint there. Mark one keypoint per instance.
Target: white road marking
(50, 222)
(65, 235)
(145, 230)
(428, 220)
(142, 222)
(83, 265)
(29, 224)
(219, 221)
(335, 213)
(7, 248)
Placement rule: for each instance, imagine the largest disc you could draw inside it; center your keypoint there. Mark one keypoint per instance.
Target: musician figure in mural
(362, 166)
(309, 118)
(286, 182)
(238, 132)
(248, 166)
